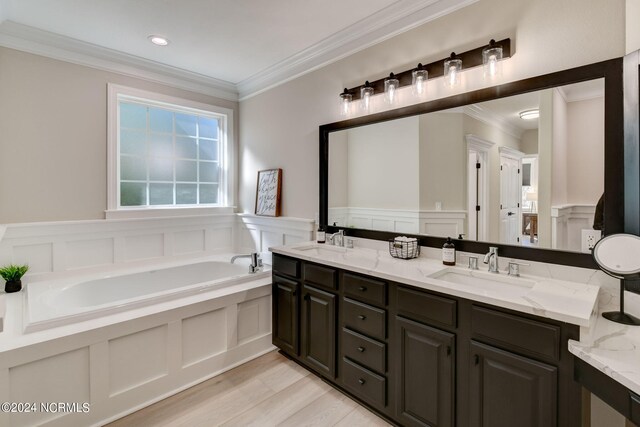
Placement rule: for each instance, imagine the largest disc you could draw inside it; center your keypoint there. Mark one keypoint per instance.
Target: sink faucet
(256, 261)
(491, 258)
(337, 239)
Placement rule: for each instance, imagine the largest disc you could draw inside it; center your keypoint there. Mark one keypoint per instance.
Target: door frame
(512, 153)
(481, 147)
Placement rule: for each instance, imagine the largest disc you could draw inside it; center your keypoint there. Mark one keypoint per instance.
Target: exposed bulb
(453, 75)
(493, 65)
(419, 85)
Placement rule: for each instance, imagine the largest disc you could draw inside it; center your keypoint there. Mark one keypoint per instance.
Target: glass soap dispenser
(449, 252)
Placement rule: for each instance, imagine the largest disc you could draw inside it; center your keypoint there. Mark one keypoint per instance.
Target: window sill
(167, 212)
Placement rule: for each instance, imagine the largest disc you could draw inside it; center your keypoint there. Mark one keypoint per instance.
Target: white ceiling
(236, 42)
(507, 110)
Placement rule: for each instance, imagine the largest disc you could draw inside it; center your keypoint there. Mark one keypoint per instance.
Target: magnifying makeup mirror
(618, 255)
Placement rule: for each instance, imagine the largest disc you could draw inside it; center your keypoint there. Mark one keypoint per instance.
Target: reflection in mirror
(524, 170)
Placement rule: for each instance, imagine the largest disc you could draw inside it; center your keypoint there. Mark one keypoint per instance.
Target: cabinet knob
(361, 349)
(361, 381)
(362, 317)
(362, 288)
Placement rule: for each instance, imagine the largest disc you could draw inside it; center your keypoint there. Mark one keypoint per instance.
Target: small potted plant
(12, 274)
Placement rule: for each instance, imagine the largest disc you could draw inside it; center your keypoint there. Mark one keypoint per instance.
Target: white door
(510, 194)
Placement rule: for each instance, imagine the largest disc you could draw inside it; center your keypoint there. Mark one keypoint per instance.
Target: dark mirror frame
(614, 179)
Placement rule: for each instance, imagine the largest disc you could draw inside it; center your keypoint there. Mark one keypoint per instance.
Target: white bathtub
(63, 301)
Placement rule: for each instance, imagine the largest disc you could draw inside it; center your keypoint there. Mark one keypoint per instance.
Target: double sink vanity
(424, 344)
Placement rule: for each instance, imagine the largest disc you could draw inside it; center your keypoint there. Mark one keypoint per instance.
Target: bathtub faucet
(256, 261)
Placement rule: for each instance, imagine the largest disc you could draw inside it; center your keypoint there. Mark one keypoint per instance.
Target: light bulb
(345, 102)
(452, 68)
(390, 86)
(365, 95)
(491, 56)
(419, 80)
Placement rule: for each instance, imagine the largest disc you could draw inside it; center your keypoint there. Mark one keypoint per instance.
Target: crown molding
(51, 45)
(584, 95)
(384, 24)
(493, 119)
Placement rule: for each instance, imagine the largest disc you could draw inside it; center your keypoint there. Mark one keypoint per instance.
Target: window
(169, 153)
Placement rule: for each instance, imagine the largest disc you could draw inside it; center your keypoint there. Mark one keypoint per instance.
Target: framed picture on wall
(268, 192)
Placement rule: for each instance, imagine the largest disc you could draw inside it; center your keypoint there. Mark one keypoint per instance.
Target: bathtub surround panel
(258, 233)
(144, 246)
(69, 245)
(203, 336)
(60, 378)
(254, 317)
(89, 253)
(133, 359)
(137, 359)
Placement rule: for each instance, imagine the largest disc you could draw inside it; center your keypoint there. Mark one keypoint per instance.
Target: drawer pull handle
(362, 288)
(361, 349)
(361, 381)
(448, 350)
(362, 317)
(476, 359)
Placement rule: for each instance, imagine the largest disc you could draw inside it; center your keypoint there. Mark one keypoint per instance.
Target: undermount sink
(321, 249)
(491, 282)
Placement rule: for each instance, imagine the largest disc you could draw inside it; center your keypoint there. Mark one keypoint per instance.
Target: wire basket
(404, 249)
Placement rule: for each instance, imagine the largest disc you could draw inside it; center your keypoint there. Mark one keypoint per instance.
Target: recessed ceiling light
(530, 114)
(158, 40)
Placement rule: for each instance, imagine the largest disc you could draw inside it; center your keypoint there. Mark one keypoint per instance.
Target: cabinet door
(285, 314)
(426, 375)
(507, 390)
(319, 330)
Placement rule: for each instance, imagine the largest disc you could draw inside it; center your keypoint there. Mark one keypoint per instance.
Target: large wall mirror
(530, 165)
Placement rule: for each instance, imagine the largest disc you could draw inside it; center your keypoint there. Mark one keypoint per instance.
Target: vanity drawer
(365, 289)
(363, 350)
(365, 384)
(322, 276)
(516, 333)
(364, 318)
(426, 307)
(287, 266)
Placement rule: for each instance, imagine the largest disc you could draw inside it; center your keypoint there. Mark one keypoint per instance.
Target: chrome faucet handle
(473, 263)
(513, 269)
(349, 243)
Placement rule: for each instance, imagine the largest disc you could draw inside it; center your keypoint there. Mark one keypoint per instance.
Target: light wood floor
(268, 391)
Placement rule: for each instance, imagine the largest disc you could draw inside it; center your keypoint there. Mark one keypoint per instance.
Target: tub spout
(256, 261)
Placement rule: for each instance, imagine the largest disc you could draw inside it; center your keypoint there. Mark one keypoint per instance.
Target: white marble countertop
(562, 300)
(610, 347)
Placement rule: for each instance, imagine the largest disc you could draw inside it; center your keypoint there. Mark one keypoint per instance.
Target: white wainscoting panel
(203, 336)
(435, 223)
(443, 223)
(60, 378)
(68, 245)
(567, 223)
(259, 233)
(122, 367)
(137, 359)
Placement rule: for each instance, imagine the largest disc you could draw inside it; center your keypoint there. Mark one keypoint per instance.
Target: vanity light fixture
(419, 78)
(365, 94)
(391, 85)
(452, 69)
(530, 114)
(345, 102)
(491, 60)
(158, 40)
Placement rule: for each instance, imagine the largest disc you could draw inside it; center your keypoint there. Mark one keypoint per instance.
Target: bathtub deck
(268, 391)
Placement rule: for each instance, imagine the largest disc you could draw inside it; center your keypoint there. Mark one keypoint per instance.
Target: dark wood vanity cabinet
(507, 390)
(318, 330)
(285, 314)
(425, 381)
(420, 358)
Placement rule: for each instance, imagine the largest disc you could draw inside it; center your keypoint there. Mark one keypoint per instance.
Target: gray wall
(53, 138)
